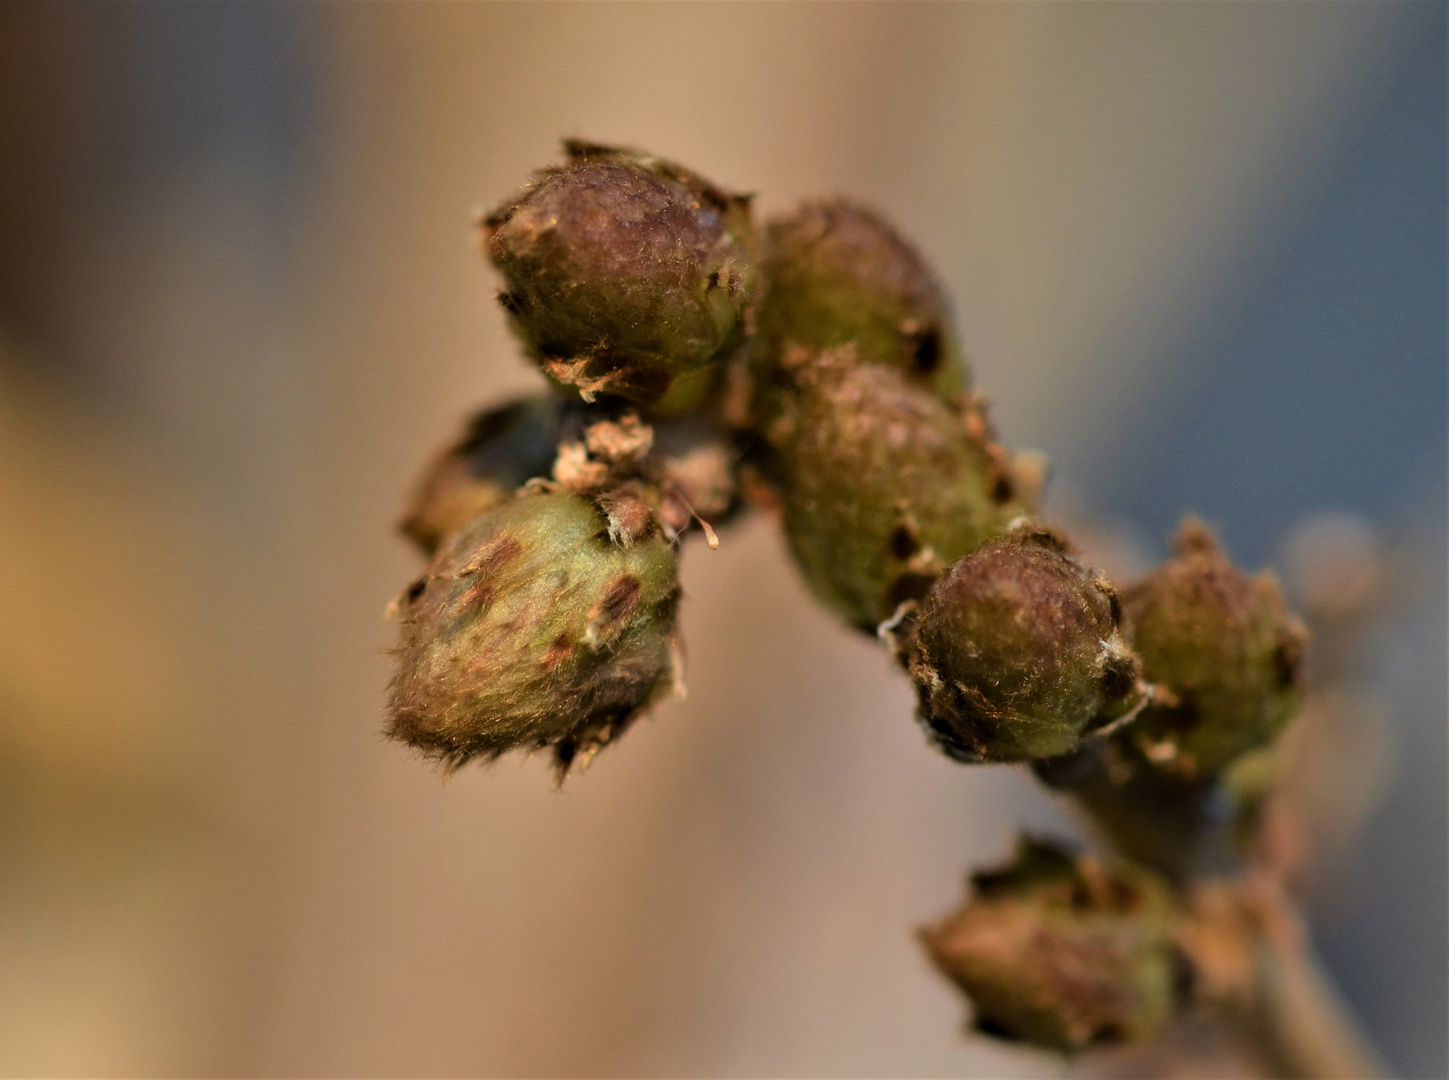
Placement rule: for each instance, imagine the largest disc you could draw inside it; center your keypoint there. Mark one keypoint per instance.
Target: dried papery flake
(544, 624)
(607, 451)
(627, 276)
(695, 465)
(620, 443)
(1063, 952)
(705, 476)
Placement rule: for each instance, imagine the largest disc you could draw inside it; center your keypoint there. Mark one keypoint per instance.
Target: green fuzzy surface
(1225, 646)
(1016, 654)
(877, 471)
(530, 629)
(838, 274)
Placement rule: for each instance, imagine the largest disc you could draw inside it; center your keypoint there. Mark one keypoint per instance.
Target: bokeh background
(1199, 256)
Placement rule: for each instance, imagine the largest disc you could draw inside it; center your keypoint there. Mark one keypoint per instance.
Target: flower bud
(883, 484)
(626, 275)
(1062, 952)
(549, 622)
(1016, 654)
(1223, 652)
(838, 274)
(501, 449)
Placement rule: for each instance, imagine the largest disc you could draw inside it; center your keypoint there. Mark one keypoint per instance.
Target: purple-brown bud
(626, 275)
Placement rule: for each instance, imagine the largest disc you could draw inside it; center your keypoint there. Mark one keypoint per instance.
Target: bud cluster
(813, 367)
(547, 618)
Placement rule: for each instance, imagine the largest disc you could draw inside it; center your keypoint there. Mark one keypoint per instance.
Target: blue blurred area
(208, 75)
(113, 109)
(1317, 377)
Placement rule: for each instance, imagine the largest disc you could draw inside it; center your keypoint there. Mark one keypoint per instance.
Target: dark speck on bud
(626, 275)
(545, 623)
(1222, 649)
(838, 275)
(1016, 654)
(1061, 952)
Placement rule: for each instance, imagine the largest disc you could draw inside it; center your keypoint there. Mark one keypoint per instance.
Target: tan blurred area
(213, 863)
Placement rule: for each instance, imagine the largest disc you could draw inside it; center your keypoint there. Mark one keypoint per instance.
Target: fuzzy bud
(501, 449)
(1062, 952)
(1016, 653)
(883, 484)
(549, 622)
(1223, 652)
(839, 275)
(626, 275)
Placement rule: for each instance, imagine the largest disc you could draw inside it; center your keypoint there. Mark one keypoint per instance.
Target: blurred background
(1198, 253)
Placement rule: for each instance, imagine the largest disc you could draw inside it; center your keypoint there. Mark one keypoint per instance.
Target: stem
(1258, 972)
(1304, 1023)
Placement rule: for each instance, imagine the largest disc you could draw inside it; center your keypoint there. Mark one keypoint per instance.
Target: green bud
(884, 484)
(1222, 651)
(626, 275)
(549, 622)
(1016, 653)
(838, 274)
(501, 449)
(1062, 952)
